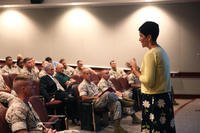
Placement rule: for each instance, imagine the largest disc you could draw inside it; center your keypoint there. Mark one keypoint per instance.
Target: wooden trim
(96, 68)
(186, 96)
(186, 75)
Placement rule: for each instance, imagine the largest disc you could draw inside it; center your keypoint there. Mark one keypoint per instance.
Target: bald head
(59, 68)
(86, 74)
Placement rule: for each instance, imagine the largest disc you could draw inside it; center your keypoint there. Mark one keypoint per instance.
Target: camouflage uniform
(6, 70)
(69, 71)
(77, 71)
(32, 73)
(2, 83)
(103, 85)
(117, 74)
(108, 99)
(22, 116)
(132, 79)
(42, 73)
(19, 70)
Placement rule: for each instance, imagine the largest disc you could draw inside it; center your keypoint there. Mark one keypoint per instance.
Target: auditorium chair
(9, 79)
(124, 83)
(136, 92)
(95, 78)
(55, 121)
(92, 119)
(4, 127)
(77, 78)
(51, 105)
(117, 84)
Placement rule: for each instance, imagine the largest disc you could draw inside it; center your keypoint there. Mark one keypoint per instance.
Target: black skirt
(157, 113)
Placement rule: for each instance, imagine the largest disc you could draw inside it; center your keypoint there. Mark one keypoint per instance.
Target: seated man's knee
(112, 97)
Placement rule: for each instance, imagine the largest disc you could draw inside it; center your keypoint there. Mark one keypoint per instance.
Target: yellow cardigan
(155, 72)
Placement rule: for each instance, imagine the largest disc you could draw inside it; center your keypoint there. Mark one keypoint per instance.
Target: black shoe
(135, 119)
(175, 103)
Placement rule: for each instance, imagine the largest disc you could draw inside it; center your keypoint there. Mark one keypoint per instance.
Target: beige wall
(99, 34)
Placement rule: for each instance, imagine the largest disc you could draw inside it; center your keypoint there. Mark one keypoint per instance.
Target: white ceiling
(53, 3)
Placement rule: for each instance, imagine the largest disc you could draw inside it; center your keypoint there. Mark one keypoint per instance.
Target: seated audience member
(49, 59)
(3, 86)
(105, 83)
(20, 115)
(35, 68)
(78, 70)
(20, 65)
(9, 67)
(19, 56)
(69, 71)
(133, 81)
(89, 91)
(116, 72)
(63, 79)
(51, 89)
(43, 72)
(29, 69)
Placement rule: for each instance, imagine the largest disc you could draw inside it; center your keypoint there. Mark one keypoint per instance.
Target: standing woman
(157, 104)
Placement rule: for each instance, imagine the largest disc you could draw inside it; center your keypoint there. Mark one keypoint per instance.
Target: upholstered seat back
(116, 84)
(4, 127)
(39, 108)
(124, 83)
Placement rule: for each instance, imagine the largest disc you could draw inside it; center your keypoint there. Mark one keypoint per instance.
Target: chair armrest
(50, 123)
(53, 103)
(59, 116)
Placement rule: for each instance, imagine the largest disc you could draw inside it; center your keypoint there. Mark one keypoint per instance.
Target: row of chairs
(39, 106)
(94, 118)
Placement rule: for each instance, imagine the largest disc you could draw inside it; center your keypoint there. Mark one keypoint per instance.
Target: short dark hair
(18, 61)
(27, 59)
(61, 60)
(22, 77)
(8, 57)
(78, 61)
(49, 59)
(150, 28)
(20, 80)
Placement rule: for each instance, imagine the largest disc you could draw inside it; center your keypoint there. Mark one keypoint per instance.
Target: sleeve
(112, 75)
(102, 86)
(6, 97)
(131, 79)
(17, 119)
(148, 75)
(123, 73)
(2, 83)
(82, 90)
(3, 70)
(43, 91)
